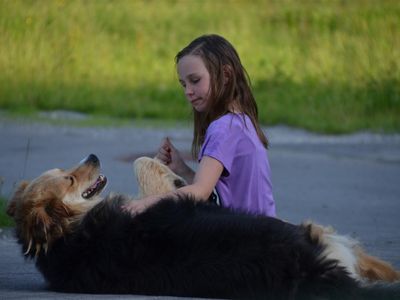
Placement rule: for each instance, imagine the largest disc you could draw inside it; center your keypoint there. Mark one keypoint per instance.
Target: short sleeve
(220, 143)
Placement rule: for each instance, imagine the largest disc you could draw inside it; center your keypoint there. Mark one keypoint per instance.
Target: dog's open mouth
(96, 187)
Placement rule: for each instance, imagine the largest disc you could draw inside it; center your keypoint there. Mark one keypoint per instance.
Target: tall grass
(329, 66)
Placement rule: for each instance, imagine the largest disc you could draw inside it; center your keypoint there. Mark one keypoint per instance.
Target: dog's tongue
(95, 187)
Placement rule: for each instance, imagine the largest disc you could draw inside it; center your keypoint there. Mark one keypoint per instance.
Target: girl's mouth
(195, 101)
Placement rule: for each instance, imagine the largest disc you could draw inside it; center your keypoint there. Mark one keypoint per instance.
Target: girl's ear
(227, 73)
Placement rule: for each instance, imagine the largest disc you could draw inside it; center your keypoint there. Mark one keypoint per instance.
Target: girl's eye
(195, 81)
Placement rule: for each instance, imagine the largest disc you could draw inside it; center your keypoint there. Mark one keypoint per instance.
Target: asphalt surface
(351, 182)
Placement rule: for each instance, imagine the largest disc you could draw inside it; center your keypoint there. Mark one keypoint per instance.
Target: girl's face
(195, 80)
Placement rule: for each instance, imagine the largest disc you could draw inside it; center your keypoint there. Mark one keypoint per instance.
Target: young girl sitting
(228, 140)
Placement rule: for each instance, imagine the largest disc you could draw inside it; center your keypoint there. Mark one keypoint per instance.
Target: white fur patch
(341, 248)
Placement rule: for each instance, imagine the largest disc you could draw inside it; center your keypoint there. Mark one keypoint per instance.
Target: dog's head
(44, 208)
(155, 178)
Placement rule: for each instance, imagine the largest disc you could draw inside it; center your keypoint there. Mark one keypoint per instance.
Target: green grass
(329, 66)
(5, 220)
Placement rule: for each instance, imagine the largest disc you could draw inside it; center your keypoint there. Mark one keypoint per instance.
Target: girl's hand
(171, 157)
(136, 207)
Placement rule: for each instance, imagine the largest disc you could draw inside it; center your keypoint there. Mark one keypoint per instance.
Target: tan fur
(154, 178)
(374, 269)
(351, 256)
(45, 207)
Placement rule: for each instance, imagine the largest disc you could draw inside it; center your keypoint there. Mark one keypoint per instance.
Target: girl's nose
(188, 91)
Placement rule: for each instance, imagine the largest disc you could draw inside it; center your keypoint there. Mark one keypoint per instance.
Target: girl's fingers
(165, 159)
(170, 145)
(164, 151)
(164, 155)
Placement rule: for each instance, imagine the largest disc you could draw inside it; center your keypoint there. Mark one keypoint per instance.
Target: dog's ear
(47, 220)
(12, 204)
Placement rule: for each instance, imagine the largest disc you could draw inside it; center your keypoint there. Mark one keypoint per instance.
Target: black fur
(183, 248)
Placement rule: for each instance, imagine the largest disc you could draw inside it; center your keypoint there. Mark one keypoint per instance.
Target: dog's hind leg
(155, 178)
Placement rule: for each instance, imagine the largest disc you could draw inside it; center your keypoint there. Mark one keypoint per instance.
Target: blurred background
(328, 66)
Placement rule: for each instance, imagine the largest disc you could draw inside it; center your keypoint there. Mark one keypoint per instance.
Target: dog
(84, 243)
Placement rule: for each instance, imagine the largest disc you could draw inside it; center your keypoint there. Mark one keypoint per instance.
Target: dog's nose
(93, 159)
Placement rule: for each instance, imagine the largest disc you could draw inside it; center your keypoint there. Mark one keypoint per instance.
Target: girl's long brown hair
(222, 62)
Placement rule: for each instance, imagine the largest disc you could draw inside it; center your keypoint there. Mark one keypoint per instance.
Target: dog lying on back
(180, 247)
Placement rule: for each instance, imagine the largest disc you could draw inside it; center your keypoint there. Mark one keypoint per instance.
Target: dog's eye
(70, 178)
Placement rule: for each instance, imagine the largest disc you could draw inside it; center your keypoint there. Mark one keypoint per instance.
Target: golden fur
(351, 256)
(155, 178)
(38, 211)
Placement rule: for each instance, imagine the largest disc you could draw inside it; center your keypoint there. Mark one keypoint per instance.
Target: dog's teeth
(92, 190)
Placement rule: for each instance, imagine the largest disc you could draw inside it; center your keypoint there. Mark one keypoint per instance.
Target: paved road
(351, 182)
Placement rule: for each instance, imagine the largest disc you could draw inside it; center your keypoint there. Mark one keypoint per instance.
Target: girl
(228, 140)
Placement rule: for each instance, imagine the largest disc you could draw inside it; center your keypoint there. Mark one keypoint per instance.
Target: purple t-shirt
(245, 183)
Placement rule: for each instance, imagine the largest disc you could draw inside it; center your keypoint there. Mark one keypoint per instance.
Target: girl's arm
(204, 181)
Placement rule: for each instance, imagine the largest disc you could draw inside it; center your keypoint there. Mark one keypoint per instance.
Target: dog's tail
(374, 269)
(348, 252)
